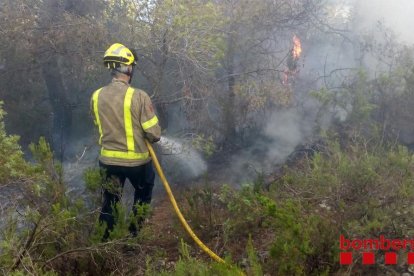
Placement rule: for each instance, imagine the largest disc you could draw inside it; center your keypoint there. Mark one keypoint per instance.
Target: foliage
(254, 262)
(93, 179)
(11, 157)
(358, 187)
(195, 58)
(374, 106)
(49, 66)
(246, 215)
(43, 230)
(188, 265)
(216, 65)
(355, 187)
(361, 191)
(47, 222)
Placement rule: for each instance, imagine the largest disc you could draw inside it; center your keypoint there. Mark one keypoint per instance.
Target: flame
(297, 47)
(292, 62)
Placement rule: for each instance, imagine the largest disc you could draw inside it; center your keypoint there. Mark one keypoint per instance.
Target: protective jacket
(124, 117)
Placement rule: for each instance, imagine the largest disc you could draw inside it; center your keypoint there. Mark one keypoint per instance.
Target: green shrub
(363, 190)
(43, 231)
(188, 265)
(12, 163)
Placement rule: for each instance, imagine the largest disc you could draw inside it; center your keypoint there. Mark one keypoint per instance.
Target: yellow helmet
(118, 54)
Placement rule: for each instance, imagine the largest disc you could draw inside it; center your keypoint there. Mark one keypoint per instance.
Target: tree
(50, 64)
(258, 43)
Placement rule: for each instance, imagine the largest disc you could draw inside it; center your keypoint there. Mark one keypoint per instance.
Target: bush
(355, 187)
(289, 232)
(43, 230)
(188, 265)
(362, 191)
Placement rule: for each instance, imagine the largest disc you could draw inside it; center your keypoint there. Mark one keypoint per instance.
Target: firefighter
(124, 117)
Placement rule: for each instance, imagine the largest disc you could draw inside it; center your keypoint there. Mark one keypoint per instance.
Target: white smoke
(284, 130)
(397, 15)
(181, 159)
(328, 62)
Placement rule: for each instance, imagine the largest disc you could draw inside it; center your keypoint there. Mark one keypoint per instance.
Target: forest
(286, 124)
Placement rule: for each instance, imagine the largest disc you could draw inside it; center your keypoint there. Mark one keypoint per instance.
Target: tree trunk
(229, 108)
(61, 108)
(58, 93)
(158, 88)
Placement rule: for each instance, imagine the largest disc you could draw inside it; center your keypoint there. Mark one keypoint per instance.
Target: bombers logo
(368, 246)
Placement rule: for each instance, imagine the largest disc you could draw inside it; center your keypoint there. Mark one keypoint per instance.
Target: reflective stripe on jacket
(124, 117)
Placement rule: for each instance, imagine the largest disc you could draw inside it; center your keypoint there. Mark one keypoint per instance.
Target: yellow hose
(177, 210)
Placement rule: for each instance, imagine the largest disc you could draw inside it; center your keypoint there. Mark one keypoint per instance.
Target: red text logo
(368, 246)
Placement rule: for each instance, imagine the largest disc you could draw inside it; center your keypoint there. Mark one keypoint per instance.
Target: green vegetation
(359, 183)
(220, 66)
(359, 188)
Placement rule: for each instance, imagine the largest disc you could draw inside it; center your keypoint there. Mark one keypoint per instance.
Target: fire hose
(177, 209)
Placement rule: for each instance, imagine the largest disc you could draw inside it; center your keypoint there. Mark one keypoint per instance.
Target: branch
(87, 249)
(26, 246)
(250, 72)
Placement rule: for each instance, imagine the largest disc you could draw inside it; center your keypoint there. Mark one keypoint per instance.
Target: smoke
(181, 160)
(362, 17)
(84, 154)
(395, 15)
(287, 129)
(283, 132)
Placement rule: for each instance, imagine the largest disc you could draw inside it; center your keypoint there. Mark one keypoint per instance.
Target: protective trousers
(142, 179)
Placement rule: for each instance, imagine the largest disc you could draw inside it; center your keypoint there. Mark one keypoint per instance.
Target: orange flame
(297, 47)
(292, 62)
